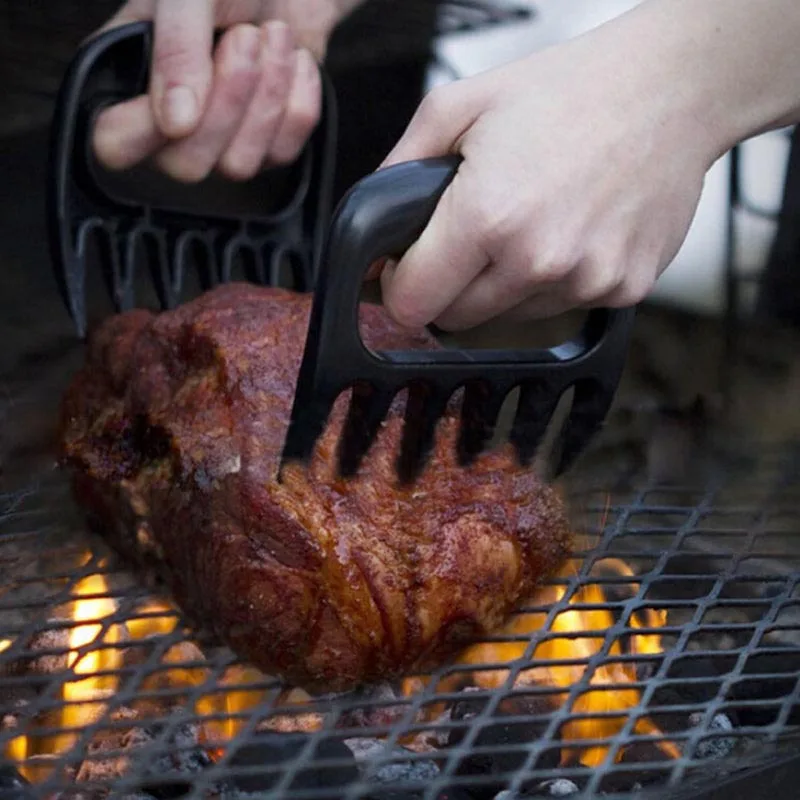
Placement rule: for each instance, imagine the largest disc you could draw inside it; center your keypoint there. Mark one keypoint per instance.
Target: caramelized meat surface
(173, 431)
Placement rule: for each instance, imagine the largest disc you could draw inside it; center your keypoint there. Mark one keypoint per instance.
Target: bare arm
(584, 162)
(732, 64)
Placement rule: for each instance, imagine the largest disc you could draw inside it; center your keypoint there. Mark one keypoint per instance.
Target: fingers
(265, 101)
(283, 111)
(236, 76)
(447, 247)
(132, 11)
(302, 112)
(549, 302)
(259, 125)
(550, 291)
(182, 64)
(447, 250)
(443, 116)
(496, 290)
(126, 134)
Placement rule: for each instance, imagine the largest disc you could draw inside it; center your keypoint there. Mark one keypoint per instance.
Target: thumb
(182, 66)
(445, 259)
(445, 114)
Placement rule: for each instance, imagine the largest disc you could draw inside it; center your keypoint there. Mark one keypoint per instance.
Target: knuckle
(549, 261)
(238, 88)
(630, 292)
(497, 220)
(240, 46)
(238, 168)
(173, 58)
(184, 169)
(601, 283)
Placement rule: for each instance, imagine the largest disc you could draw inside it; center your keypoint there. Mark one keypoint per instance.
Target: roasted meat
(173, 431)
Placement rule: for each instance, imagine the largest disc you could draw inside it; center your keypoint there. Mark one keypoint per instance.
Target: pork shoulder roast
(173, 431)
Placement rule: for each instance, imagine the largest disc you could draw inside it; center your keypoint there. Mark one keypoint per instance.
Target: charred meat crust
(173, 430)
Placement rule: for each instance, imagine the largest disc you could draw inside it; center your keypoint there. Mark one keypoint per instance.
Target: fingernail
(248, 44)
(279, 37)
(180, 108)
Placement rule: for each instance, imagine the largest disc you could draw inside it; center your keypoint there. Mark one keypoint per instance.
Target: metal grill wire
(723, 561)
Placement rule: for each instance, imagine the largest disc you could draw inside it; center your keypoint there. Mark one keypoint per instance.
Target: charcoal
(168, 772)
(653, 761)
(137, 796)
(46, 653)
(371, 715)
(12, 785)
(433, 739)
(403, 768)
(558, 787)
(55, 640)
(106, 740)
(291, 723)
(13, 705)
(405, 771)
(387, 793)
(268, 749)
(679, 693)
(365, 748)
(758, 685)
(406, 767)
(515, 737)
(719, 746)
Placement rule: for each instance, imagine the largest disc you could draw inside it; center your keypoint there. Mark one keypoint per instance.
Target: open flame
(575, 634)
(92, 659)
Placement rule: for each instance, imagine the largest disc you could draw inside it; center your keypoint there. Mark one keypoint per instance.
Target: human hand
(583, 167)
(250, 103)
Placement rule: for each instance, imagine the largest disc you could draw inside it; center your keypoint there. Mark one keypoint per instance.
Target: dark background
(377, 61)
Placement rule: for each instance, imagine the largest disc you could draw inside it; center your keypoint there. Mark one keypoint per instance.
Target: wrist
(726, 69)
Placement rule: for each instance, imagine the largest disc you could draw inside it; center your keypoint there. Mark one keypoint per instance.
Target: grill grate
(722, 561)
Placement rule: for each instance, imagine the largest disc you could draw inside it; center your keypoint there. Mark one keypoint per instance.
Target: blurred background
(715, 342)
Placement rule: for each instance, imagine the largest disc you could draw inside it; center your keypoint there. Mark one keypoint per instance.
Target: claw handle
(292, 204)
(382, 215)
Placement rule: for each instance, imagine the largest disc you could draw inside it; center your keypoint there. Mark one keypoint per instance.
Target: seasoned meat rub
(173, 431)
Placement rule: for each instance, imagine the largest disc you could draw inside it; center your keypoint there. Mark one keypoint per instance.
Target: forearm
(730, 67)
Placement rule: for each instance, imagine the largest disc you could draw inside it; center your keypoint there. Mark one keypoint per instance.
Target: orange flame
(92, 658)
(575, 634)
(573, 637)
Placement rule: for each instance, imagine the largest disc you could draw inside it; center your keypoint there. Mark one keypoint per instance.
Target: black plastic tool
(382, 216)
(283, 223)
